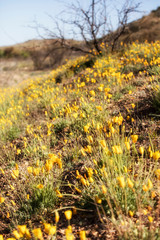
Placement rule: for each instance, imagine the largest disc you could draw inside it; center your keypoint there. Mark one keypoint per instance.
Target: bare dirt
(14, 71)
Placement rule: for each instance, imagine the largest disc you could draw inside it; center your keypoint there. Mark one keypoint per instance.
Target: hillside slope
(146, 28)
(79, 150)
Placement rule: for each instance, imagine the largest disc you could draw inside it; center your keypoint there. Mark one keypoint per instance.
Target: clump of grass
(42, 199)
(12, 133)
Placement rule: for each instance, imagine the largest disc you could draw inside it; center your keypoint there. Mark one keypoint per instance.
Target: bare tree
(90, 25)
(123, 16)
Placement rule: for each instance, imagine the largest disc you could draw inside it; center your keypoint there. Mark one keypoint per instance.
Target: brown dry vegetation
(146, 28)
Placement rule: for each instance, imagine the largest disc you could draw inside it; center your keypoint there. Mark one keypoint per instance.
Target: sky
(17, 17)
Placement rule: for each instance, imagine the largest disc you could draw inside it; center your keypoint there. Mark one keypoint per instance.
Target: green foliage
(133, 68)
(60, 128)
(43, 198)
(88, 63)
(154, 70)
(12, 133)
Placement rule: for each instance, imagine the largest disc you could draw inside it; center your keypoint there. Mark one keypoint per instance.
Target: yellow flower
(15, 174)
(145, 188)
(83, 152)
(92, 93)
(68, 233)
(22, 229)
(87, 182)
(40, 186)
(125, 169)
(12, 188)
(37, 233)
(18, 151)
(145, 211)
(13, 203)
(103, 143)
(156, 155)
(48, 166)
(134, 138)
(83, 181)
(157, 173)
(149, 149)
(43, 169)
(130, 183)
(91, 179)
(153, 194)
(58, 161)
(82, 115)
(78, 190)
(16, 234)
(141, 150)
(2, 171)
(86, 127)
(30, 169)
(49, 229)
(36, 171)
(90, 139)
(128, 117)
(133, 105)
(131, 213)
(90, 172)
(121, 182)
(77, 173)
(52, 230)
(28, 233)
(100, 88)
(82, 235)
(46, 227)
(10, 239)
(59, 194)
(112, 130)
(150, 184)
(104, 189)
(68, 214)
(2, 199)
(56, 216)
(98, 200)
(127, 145)
(99, 108)
(150, 219)
(88, 149)
(109, 95)
(149, 208)
(37, 163)
(92, 99)
(69, 228)
(117, 149)
(1, 237)
(150, 154)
